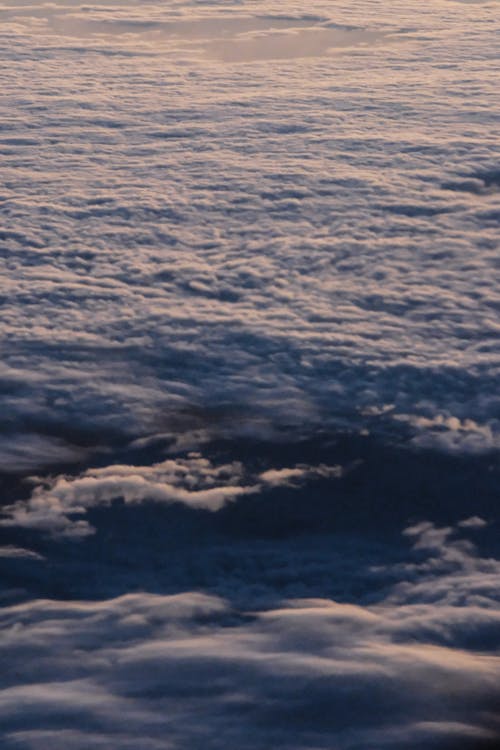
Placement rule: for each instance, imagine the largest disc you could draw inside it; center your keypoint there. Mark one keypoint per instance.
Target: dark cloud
(391, 672)
(479, 183)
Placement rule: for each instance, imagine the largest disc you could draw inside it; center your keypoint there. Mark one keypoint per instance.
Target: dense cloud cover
(304, 240)
(249, 380)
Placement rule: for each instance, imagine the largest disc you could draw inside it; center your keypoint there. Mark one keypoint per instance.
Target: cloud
(58, 504)
(193, 481)
(453, 435)
(15, 553)
(24, 452)
(199, 252)
(481, 183)
(291, 44)
(389, 672)
(263, 239)
(277, 477)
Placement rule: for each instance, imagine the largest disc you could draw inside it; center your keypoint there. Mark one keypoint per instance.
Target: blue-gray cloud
(223, 223)
(301, 239)
(191, 670)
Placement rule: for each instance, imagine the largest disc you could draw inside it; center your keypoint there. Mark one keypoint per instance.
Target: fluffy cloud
(224, 221)
(301, 239)
(191, 670)
(193, 481)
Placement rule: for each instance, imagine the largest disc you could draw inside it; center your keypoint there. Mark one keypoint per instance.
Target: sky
(249, 376)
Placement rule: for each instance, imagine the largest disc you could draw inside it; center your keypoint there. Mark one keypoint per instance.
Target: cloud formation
(300, 239)
(223, 223)
(193, 481)
(182, 671)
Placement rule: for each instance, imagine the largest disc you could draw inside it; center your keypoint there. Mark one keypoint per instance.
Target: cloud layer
(415, 664)
(310, 240)
(224, 224)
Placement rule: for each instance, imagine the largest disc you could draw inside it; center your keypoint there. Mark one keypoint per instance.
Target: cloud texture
(416, 665)
(192, 481)
(249, 290)
(310, 239)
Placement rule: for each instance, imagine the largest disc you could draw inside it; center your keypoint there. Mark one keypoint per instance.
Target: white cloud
(193, 481)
